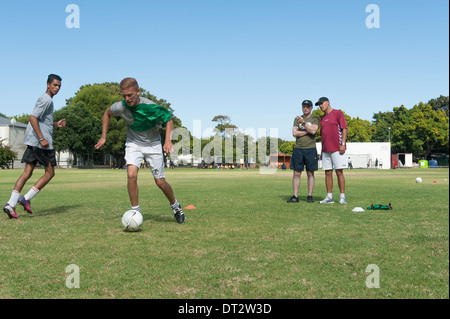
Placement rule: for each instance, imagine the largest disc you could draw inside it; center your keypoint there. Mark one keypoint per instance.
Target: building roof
(7, 122)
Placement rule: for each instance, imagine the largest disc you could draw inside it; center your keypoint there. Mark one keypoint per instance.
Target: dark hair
(53, 77)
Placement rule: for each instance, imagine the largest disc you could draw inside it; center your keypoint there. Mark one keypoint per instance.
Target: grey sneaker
(342, 201)
(327, 200)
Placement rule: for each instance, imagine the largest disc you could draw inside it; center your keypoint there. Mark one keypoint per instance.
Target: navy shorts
(35, 154)
(305, 157)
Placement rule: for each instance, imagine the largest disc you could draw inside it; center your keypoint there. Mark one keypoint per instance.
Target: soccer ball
(418, 180)
(132, 220)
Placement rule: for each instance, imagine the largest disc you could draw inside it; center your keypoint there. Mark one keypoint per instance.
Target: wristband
(42, 139)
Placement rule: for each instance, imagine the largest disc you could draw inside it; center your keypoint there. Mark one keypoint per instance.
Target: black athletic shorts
(305, 157)
(35, 154)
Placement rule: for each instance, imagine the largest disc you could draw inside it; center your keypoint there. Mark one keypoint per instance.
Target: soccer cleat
(10, 211)
(26, 204)
(343, 201)
(327, 200)
(293, 199)
(310, 199)
(178, 213)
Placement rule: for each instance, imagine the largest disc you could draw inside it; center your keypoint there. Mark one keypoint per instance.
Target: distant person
(39, 141)
(334, 135)
(305, 152)
(142, 117)
(172, 165)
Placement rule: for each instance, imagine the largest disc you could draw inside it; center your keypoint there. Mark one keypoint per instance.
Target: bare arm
(106, 119)
(297, 133)
(344, 139)
(168, 146)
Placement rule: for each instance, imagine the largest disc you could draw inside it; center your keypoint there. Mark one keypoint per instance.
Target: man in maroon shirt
(334, 134)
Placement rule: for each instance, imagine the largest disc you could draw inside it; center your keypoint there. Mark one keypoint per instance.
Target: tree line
(421, 130)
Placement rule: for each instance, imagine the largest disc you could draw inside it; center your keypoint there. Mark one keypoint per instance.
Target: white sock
(14, 198)
(138, 208)
(330, 195)
(33, 192)
(175, 204)
(342, 195)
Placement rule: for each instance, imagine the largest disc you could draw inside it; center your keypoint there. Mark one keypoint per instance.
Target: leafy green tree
(287, 147)
(382, 123)
(359, 130)
(81, 132)
(6, 155)
(440, 103)
(224, 123)
(420, 130)
(97, 97)
(429, 129)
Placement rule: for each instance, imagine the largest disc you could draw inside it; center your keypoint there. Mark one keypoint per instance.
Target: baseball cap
(307, 102)
(321, 100)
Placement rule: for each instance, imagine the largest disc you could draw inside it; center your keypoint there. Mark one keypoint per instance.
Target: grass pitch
(242, 241)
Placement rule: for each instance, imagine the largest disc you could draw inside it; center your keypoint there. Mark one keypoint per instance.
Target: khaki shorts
(153, 155)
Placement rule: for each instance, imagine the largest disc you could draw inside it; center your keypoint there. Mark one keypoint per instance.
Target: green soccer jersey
(307, 141)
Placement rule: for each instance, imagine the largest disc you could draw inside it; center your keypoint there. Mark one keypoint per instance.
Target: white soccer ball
(418, 180)
(132, 220)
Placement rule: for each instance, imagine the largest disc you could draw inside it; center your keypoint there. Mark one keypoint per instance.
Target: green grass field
(242, 241)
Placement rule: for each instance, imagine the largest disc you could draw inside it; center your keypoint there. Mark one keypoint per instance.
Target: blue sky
(254, 61)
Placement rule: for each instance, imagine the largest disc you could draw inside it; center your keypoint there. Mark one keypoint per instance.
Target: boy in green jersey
(143, 141)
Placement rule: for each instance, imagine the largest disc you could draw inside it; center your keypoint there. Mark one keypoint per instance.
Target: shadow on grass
(300, 198)
(160, 218)
(54, 211)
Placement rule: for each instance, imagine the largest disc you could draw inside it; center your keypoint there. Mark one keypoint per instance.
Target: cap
(321, 100)
(307, 102)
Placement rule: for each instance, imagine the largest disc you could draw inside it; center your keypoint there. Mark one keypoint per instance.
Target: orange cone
(190, 207)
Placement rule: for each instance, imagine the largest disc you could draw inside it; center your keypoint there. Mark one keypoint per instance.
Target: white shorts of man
(338, 162)
(153, 155)
(334, 160)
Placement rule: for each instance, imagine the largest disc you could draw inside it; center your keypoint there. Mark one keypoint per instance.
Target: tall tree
(224, 122)
(429, 129)
(440, 103)
(81, 132)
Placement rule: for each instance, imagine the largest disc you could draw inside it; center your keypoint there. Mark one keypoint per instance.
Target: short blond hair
(129, 83)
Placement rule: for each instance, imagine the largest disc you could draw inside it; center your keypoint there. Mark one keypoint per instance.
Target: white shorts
(334, 160)
(153, 155)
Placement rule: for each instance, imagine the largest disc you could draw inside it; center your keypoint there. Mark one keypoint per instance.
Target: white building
(366, 155)
(12, 134)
